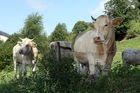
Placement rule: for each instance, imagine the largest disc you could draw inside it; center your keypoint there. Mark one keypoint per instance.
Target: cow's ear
(116, 21)
(34, 45)
(19, 43)
(91, 25)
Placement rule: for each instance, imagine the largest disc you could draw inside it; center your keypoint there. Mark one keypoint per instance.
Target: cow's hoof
(93, 79)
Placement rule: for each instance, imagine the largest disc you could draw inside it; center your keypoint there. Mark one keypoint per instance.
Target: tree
(137, 3)
(60, 33)
(80, 26)
(127, 10)
(134, 30)
(33, 26)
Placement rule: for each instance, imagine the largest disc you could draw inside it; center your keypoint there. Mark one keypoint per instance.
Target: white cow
(131, 57)
(95, 49)
(61, 49)
(24, 53)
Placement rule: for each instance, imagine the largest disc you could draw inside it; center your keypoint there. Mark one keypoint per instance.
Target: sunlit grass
(122, 79)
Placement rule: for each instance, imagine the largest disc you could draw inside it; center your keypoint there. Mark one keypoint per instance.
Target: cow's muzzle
(98, 40)
(21, 52)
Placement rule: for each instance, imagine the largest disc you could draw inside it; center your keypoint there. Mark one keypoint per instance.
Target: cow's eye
(106, 25)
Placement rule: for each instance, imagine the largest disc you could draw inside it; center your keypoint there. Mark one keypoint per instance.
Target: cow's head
(104, 26)
(26, 45)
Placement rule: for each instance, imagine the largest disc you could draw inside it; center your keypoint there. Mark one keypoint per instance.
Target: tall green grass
(62, 77)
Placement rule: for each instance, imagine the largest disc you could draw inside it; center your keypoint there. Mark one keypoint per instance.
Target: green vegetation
(59, 34)
(33, 26)
(80, 26)
(134, 30)
(128, 10)
(121, 46)
(61, 77)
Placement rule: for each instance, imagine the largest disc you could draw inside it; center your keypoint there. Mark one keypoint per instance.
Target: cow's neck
(29, 52)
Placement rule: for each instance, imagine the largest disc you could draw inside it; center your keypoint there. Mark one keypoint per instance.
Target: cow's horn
(33, 38)
(20, 38)
(112, 14)
(93, 18)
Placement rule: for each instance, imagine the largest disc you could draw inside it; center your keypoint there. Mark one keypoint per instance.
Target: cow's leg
(33, 68)
(107, 67)
(15, 69)
(92, 69)
(24, 70)
(78, 67)
(20, 71)
(83, 69)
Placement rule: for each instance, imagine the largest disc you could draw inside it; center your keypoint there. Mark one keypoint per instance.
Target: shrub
(6, 59)
(57, 77)
(120, 80)
(6, 52)
(134, 30)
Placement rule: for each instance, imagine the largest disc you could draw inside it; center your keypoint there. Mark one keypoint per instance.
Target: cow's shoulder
(81, 35)
(76, 37)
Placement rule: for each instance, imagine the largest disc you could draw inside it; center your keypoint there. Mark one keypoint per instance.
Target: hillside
(121, 46)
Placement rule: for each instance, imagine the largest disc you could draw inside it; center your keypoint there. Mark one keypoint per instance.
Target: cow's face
(104, 26)
(26, 46)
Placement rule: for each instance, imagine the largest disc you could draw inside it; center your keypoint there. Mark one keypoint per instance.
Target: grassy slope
(6, 77)
(121, 46)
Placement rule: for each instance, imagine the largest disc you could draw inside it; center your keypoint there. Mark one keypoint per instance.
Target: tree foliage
(80, 26)
(60, 33)
(127, 10)
(6, 59)
(33, 26)
(134, 30)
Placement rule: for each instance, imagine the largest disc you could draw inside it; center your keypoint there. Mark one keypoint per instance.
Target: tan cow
(95, 49)
(24, 53)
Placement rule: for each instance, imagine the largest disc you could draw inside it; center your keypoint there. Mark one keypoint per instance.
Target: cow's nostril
(27, 45)
(98, 38)
(21, 52)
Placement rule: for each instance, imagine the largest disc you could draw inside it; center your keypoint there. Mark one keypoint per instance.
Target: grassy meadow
(119, 80)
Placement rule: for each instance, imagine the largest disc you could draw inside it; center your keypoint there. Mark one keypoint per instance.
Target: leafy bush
(134, 30)
(79, 26)
(62, 77)
(6, 52)
(119, 80)
(57, 76)
(6, 56)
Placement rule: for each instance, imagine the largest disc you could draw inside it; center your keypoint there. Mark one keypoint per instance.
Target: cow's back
(83, 42)
(76, 37)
